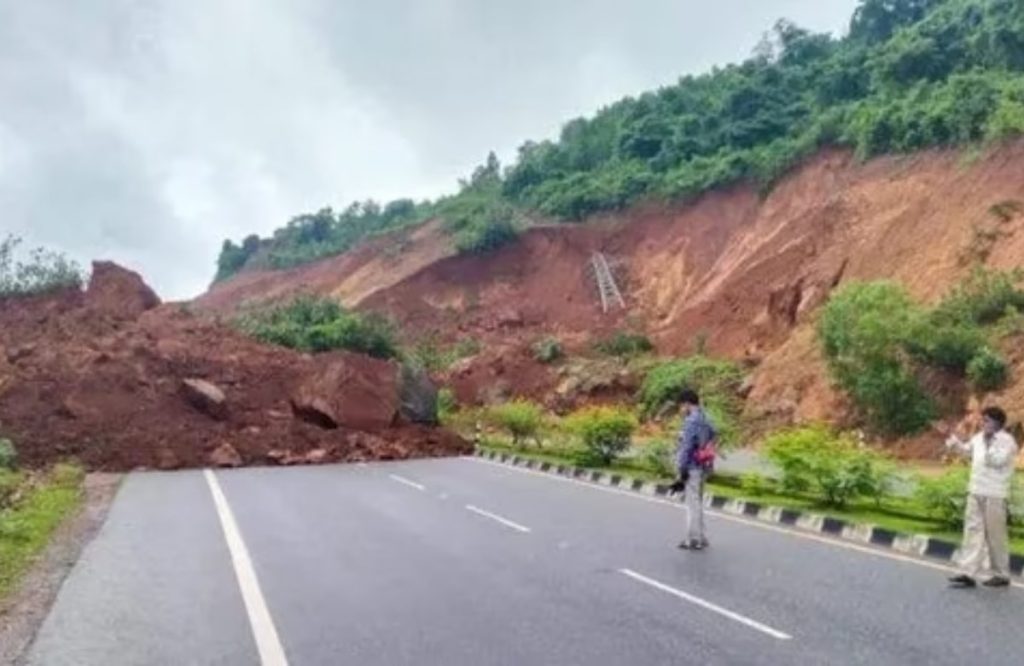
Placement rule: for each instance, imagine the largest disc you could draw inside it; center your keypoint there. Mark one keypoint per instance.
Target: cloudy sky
(147, 131)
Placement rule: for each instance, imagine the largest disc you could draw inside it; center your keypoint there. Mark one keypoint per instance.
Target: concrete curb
(917, 545)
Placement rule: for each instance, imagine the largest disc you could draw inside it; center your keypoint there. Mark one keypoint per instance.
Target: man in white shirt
(993, 454)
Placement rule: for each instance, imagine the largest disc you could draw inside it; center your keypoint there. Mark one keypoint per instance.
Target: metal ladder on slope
(606, 286)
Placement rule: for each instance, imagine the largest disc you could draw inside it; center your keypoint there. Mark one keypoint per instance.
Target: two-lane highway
(462, 561)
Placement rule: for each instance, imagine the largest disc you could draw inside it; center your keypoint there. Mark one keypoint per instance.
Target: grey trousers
(694, 499)
(985, 537)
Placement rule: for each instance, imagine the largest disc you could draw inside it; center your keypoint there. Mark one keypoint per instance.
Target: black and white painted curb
(917, 545)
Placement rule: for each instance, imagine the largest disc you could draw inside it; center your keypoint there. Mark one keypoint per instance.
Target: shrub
(8, 454)
(486, 235)
(715, 380)
(605, 432)
(446, 404)
(983, 298)
(1007, 210)
(522, 419)
(316, 324)
(10, 481)
(548, 350)
(863, 331)
(944, 498)
(949, 346)
(755, 484)
(44, 271)
(658, 457)
(832, 468)
(987, 371)
(1016, 504)
(66, 475)
(432, 355)
(624, 344)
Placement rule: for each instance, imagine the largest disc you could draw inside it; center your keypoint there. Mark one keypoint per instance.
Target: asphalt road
(454, 562)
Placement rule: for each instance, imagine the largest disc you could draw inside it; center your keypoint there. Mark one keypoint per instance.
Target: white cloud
(147, 131)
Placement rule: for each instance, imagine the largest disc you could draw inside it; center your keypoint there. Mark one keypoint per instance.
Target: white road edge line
(495, 517)
(267, 642)
(407, 482)
(835, 543)
(707, 605)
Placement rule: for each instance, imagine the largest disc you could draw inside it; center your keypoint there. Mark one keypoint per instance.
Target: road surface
(462, 561)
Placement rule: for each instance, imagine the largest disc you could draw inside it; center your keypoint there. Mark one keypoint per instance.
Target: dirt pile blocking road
(112, 377)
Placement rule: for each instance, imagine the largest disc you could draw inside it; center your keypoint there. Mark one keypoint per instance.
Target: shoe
(998, 581)
(692, 545)
(962, 581)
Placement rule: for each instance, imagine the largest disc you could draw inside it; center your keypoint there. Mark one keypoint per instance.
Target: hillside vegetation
(908, 75)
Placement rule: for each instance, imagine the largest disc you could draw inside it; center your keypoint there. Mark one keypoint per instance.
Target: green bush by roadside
(604, 431)
(830, 467)
(521, 419)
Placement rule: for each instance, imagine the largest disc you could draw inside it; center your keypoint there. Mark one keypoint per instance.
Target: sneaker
(962, 581)
(692, 545)
(998, 581)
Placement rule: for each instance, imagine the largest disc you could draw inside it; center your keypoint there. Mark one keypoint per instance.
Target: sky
(148, 131)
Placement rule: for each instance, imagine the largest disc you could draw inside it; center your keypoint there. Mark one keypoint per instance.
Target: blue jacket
(696, 431)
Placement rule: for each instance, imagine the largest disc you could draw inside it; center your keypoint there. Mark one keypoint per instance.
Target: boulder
(348, 390)
(205, 397)
(118, 292)
(417, 396)
(225, 455)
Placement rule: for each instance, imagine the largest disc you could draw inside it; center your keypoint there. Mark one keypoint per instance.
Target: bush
(944, 498)
(755, 484)
(605, 432)
(548, 350)
(987, 371)
(317, 324)
(983, 298)
(658, 457)
(716, 381)
(950, 346)
(8, 455)
(44, 271)
(624, 344)
(66, 475)
(1016, 504)
(10, 482)
(832, 468)
(521, 419)
(446, 404)
(430, 354)
(864, 331)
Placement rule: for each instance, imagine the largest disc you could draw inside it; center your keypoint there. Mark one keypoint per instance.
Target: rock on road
(459, 561)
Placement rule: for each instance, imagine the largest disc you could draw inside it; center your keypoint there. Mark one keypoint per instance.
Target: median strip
(707, 605)
(504, 521)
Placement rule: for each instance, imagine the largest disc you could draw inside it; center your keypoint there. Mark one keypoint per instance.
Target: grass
(896, 514)
(27, 526)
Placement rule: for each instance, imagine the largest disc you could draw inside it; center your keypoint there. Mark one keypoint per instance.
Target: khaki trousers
(985, 537)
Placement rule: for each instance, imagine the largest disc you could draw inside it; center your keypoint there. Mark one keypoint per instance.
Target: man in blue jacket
(694, 461)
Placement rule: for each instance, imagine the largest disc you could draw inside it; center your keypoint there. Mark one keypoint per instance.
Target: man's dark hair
(689, 397)
(996, 414)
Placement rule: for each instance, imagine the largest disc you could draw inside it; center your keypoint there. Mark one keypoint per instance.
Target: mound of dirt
(112, 378)
(738, 272)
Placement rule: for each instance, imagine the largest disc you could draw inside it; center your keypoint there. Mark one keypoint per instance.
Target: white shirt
(992, 465)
